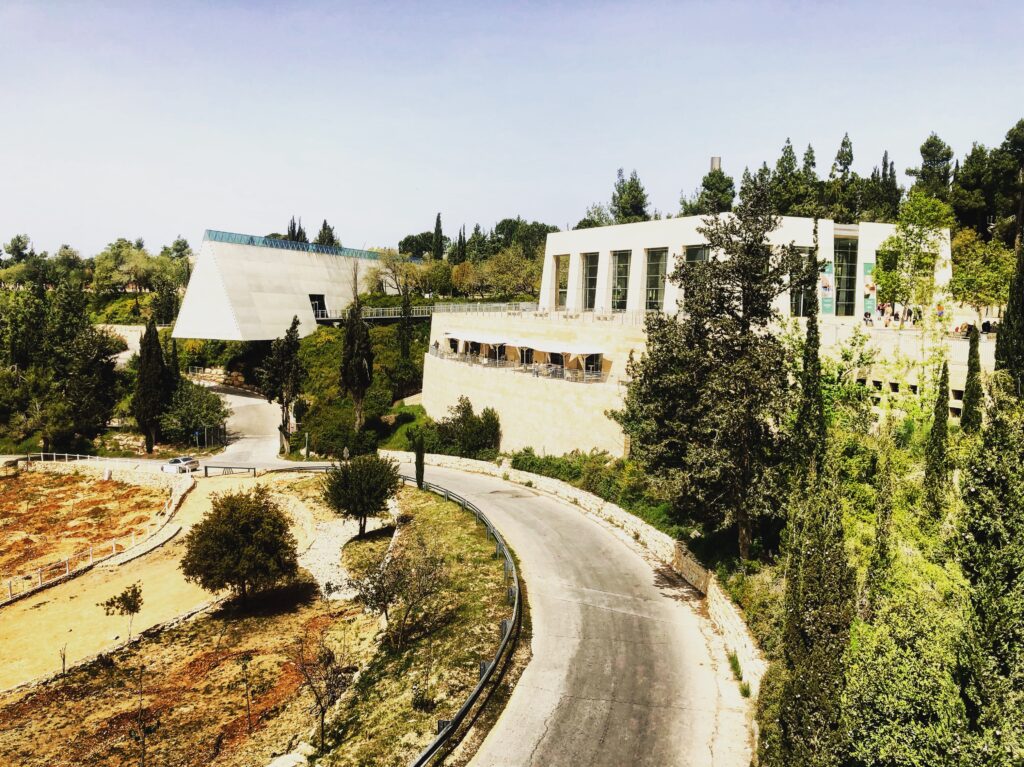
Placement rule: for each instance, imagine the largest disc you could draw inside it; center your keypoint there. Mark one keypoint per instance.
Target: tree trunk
(743, 525)
(357, 406)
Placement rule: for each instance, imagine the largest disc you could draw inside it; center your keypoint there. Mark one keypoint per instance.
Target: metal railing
(508, 629)
(85, 558)
(375, 312)
(122, 463)
(536, 369)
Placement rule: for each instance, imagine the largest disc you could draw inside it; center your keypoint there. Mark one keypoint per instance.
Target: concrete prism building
(248, 288)
(553, 370)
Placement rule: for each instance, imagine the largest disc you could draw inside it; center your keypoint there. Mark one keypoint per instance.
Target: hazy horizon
(145, 120)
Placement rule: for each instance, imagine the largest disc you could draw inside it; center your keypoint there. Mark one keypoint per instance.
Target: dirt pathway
(33, 630)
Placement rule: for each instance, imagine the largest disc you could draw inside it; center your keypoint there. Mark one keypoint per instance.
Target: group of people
(888, 314)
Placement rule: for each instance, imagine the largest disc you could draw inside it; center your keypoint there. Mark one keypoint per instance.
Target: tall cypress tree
(881, 554)
(970, 417)
(810, 423)
(281, 374)
(992, 558)
(437, 244)
(148, 401)
(936, 467)
(357, 361)
(1010, 339)
(819, 609)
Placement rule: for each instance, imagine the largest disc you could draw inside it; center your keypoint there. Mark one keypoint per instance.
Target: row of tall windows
(657, 266)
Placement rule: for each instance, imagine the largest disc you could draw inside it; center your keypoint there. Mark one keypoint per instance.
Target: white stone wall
(550, 415)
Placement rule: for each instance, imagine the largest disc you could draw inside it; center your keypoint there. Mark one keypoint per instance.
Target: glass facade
(846, 276)
(589, 281)
(657, 262)
(561, 280)
(798, 295)
(620, 279)
(269, 242)
(697, 253)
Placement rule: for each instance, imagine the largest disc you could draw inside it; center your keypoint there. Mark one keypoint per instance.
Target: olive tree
(244, 544)
(360, 488)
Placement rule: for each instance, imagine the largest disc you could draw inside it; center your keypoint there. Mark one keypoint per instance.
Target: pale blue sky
(151, 120)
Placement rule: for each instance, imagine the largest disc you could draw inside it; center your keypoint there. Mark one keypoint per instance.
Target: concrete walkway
(625, 670)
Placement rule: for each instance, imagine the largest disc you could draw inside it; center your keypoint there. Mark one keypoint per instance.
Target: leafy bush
(244, 544)
(616, 480)
(192, 408)
(462, 433)
(360, 488)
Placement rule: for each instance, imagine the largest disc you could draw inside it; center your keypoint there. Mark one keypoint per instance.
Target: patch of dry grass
(46, 517)
(193, 689)
(377, 722)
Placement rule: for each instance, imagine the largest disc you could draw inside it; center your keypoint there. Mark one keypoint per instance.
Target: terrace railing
(536, 369)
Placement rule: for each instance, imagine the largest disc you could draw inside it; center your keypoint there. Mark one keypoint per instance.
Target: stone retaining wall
(723, 613)
(221, 377)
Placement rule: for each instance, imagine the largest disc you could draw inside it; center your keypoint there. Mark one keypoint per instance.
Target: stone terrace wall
(723, 613)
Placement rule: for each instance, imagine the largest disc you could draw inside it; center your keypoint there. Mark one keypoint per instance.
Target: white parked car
(184, 464)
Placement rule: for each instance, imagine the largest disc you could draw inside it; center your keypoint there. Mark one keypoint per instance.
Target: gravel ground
(323, 557)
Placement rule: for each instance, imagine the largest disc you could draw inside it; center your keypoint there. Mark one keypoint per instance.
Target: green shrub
(462, 433)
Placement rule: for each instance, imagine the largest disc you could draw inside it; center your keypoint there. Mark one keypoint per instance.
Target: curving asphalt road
(625, 670)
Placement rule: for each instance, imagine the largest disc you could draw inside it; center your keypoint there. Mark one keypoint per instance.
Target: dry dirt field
(47, 517)
(193, 702)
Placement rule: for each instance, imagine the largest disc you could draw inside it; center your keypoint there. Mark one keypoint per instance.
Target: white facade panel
(250, 292)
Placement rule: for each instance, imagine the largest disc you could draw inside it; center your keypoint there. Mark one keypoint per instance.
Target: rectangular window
(316, 300)
(657, 262)
(589, 281)
(620, 279)
(846, 276)
(561, 280)
(798, 295)
(697, 253)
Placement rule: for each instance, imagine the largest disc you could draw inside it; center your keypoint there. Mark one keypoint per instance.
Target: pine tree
(357, 360)
(629, 199)
(149, 399)
(991, 556)
(818, 612)
(933, 176)
(936, 467)
(970, 416)
(787, 184)
(326, 236)
(437, 244)
(701, 409)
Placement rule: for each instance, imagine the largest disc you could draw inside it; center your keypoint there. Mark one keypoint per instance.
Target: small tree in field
(244, 544)
(325, 672)
(128, 602)
(420, 451)
(360, 488)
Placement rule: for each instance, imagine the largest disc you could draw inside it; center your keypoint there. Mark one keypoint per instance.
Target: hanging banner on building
(827, 288)
(870, 299)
